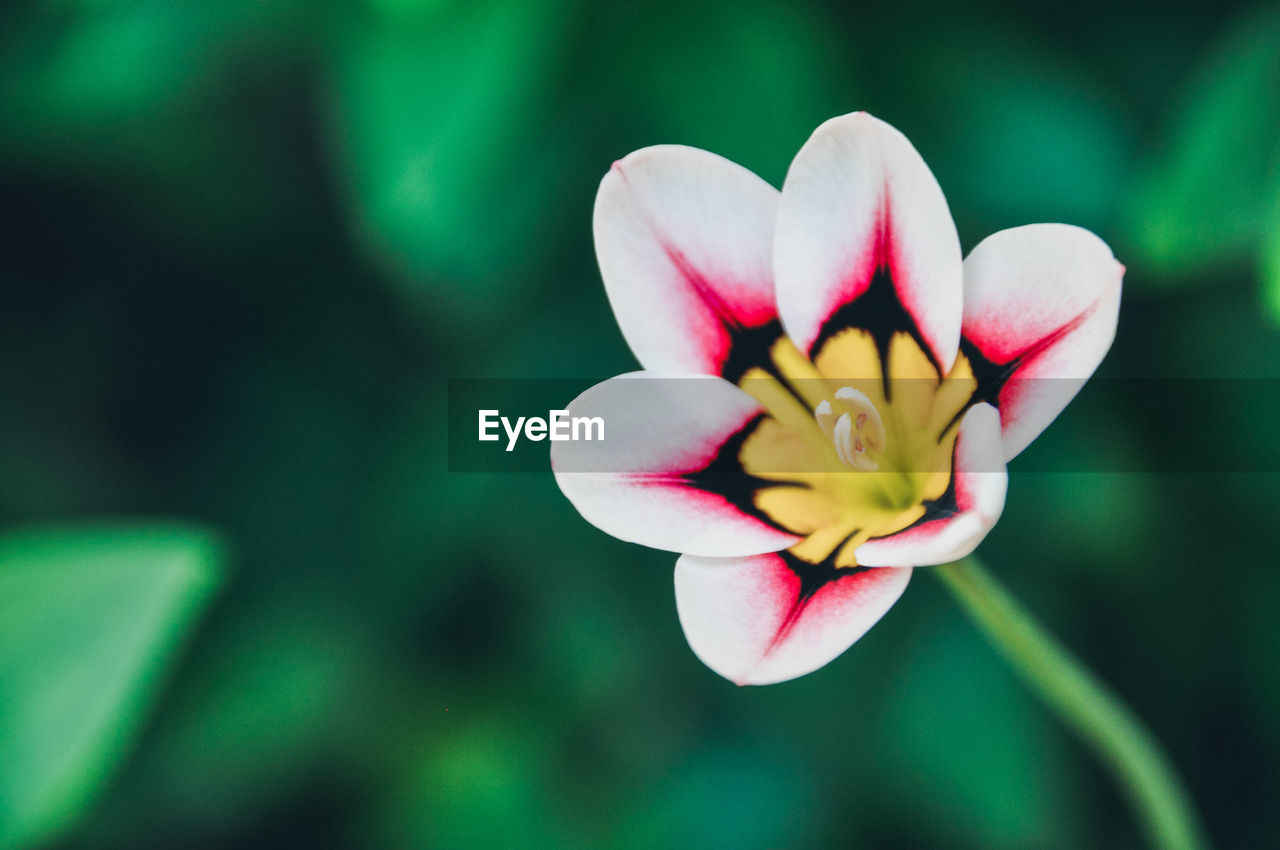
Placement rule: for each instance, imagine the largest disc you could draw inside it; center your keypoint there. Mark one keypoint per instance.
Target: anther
(856, 430)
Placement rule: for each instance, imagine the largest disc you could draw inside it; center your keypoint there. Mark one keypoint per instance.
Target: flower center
(854, 425)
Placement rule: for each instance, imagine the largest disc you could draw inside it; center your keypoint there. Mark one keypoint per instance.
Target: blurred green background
(243, 603)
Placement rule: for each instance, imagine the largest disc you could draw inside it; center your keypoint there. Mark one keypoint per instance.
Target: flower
(830, 393)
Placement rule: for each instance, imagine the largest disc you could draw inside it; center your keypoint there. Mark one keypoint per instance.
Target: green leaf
(750, 86)
(723, 796)
(1207, 201)
(981, 763)
(483, 784)
(284, 688)
(106, 63)
(444, 128)
(90, 621)
(1023, 134)
(1270, 260)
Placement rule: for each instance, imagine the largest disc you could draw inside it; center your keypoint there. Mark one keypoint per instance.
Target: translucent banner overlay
(775, 428)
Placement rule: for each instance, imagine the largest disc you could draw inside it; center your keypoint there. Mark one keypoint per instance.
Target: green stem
(1083, 703)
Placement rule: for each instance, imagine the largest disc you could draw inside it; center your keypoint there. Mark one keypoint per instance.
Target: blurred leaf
(106, 63)
(1024, 135)
(1121, 510)
(164, 108)
(973, 752)
(1270, 261)
(284, 689)
(90, 619)
(445, 128)
(405, 12)
(1208, 201)
(750, 82)
(484, 784)
(723, 798)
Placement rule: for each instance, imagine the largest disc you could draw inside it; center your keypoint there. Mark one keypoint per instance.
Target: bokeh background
(244, 603)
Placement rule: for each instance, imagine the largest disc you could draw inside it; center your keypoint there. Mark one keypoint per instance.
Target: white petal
(753, 620)
(1040, 304)
(969, 510)
(859, 198)
(648, 482)
(685, 244)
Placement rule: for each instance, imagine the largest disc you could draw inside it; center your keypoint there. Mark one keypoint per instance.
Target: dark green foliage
(246, 245)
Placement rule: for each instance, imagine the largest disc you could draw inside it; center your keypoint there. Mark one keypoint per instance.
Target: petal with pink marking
(768, 618)
(684, 239)
(1040, 310)
(865, 239)
(955, 524)
(666, 474)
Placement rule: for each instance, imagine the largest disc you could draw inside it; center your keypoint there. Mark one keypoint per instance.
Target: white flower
(849, 391)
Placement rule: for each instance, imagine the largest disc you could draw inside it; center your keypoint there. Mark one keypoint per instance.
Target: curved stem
(1083, 703)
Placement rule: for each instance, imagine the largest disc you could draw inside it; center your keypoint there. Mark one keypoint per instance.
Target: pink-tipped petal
(957, 523)
(859, 206)
(666, 475)
(685, 244)
(769, 618)
(1040, 310)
